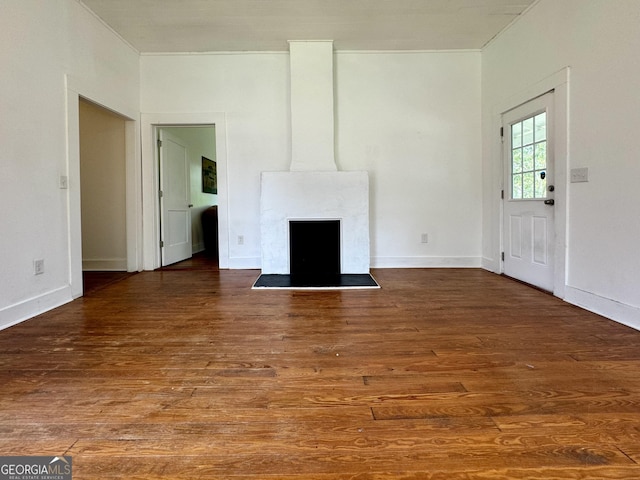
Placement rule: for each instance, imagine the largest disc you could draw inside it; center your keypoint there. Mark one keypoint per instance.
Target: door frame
(150, 124)
(559, 85)
(76, 89)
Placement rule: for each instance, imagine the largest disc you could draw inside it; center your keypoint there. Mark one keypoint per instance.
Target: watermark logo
(35, 468)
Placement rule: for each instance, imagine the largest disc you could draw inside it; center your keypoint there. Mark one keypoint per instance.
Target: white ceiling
(266, 25)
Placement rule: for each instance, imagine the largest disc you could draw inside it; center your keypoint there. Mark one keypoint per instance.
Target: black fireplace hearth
(341, 281)
(314, 261)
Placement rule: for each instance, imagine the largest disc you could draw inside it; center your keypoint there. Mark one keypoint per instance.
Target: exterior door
(175, 197)
(528, 230)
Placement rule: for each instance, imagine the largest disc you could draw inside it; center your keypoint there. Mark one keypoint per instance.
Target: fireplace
(313, 194)
(314, 250)
(317, 200)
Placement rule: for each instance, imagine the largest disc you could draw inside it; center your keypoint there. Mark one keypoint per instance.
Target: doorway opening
(103, 195)
(188, 194)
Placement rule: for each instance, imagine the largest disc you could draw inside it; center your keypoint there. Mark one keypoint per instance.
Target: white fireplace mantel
(340, 196)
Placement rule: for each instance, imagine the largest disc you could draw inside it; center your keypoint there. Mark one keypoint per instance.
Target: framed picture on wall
(209, 176)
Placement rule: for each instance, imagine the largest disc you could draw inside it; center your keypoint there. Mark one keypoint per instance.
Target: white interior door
(528, 230)
(175, 200)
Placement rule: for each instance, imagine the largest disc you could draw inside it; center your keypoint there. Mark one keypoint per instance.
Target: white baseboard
(619, 312)
(27, 309)
(490, 265)
(245, 263)
(425, 262)
(104, 264)
(382, 262)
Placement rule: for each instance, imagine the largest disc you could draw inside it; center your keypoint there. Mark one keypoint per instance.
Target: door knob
(191, 205)
(551, 201)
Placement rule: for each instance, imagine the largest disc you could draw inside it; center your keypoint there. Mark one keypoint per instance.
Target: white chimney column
(312, 120)
(313, 188)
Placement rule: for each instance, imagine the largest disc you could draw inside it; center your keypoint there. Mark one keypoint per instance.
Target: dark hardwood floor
(440, 374)
(199, 261)
(94, 281)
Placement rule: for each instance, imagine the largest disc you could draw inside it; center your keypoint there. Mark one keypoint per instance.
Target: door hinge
(502, 256)
(159, 143)
(160, 193)
(502, 132)
(161, 244)
(502, 194)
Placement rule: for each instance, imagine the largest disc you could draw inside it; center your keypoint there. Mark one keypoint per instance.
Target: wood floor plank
(510, 403)
(611, 428)
(193, 471)
(311, 463)
(328, 454)
(441, 374)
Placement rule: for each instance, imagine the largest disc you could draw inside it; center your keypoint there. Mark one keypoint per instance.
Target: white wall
(103, 195)
(252, 92)
(411, 120)
(47, 49)
(200, 142)
(599, 41)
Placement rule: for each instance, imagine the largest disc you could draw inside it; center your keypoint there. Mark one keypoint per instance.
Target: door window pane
(517, 160)
(527, 131)
(517, 187)
(516, 135)
(541, 155)
(529, 158)
(527, 185)
(540, 127)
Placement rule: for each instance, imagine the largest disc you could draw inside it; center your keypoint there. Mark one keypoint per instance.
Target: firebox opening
(314, 248)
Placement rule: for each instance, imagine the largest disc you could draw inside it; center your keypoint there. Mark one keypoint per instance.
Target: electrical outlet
(240, 239)
(38, 267)
(424, 238)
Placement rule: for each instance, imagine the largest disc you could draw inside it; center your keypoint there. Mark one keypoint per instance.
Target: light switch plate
(579, 175)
